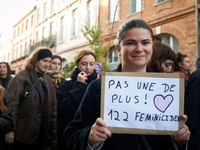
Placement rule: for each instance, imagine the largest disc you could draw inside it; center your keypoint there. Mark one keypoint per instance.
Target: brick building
(173, 20)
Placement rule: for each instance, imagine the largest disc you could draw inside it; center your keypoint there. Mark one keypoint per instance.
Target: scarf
(91, 77)
(56, 77)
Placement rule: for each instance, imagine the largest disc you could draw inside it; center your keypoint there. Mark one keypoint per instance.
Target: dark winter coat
(36, 111)
(6, 123)
(77, 131)
(69, 95)
(192, 103)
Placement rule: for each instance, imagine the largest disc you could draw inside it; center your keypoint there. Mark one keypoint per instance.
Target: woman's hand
(9, 137)
(82, 76)
(182, 136)
(98, 132)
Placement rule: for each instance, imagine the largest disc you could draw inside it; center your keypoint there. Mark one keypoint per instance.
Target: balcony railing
(49, 42)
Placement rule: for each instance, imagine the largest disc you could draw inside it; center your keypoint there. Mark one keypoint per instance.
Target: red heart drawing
(162, 103)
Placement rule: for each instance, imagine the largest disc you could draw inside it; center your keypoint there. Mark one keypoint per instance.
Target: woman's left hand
(182, 136)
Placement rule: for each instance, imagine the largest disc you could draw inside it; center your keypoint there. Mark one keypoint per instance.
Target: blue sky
(11, 11)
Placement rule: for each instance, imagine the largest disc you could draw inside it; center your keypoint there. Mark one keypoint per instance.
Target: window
(88, 13)
(18, 31)
(44, 33)
(45, 10)
(52, 6)
(37, 36)
(171, 41)
(26, 24)
(74, 22)
(13, 34)
(113, 4)
(30, 43)
(61, 29)
(158, 1)
(113, 56)
(21, 54)
(8, 57)
(39, 15)
(22, 28)
(31, 20)
(51, 28)
(134, 6)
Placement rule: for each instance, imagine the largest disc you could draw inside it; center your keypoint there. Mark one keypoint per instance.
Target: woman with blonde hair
(33, 100)
(71, 92)
(6, 123)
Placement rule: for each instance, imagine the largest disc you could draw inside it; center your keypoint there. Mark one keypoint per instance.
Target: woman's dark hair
(8, 76)
(56, 56)
(161, 52)
(179, 59)
(130, 24)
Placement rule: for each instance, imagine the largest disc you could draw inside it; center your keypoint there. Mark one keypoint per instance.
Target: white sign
(148, 102)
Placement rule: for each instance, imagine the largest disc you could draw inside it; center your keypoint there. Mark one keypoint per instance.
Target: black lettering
(137, 115)
(128, 100)
(139, 85)
(148, 117)
(145, 86)
(126, 119)
(151, 86)
(120, 99)
(137, 100)
(166, 87)
(172, 86)
(126, 84)
(114, 97)
(110, 83)
(141, 117)
(118, 85)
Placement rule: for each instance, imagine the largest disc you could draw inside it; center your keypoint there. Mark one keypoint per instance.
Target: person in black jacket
(192, 103)
(71, 92)
(6, 123)
(54, 71)
(88, 130)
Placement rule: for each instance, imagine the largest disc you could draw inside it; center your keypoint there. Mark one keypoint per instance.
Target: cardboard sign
(142, 103)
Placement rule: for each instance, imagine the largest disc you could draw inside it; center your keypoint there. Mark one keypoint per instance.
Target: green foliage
(92, 33)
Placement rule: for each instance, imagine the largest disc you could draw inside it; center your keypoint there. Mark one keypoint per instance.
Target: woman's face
(3, 69)
(135, 50)
(55, 65)
(87, 64)
(43, 64)
(167, 66)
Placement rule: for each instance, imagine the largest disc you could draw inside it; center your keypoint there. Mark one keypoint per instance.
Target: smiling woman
(89, 131)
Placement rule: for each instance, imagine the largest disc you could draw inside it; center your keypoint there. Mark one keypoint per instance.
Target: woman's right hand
(98, 132)
(9, 137)
(82, 76)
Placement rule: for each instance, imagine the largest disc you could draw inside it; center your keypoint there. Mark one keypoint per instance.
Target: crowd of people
(41, 110)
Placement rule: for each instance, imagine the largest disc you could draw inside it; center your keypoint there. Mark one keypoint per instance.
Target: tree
(92, 33)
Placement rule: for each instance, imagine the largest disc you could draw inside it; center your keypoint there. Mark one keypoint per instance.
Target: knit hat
(44, 53)
(197, 62)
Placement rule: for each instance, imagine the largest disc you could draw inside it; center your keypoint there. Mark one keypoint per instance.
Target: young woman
(71, 92)
(5, 74)
(183, 65)
(6, 123)
(54, 71)
(33, 100)
(88, 131)
(162, 59)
